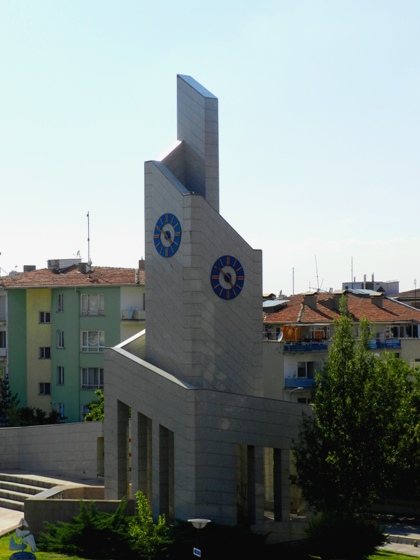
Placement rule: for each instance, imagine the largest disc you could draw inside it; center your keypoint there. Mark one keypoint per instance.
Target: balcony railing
(133, 314)
(391, 343)
(305, 347)
(294, 383)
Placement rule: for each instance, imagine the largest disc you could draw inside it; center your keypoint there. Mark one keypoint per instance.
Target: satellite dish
(280, 337)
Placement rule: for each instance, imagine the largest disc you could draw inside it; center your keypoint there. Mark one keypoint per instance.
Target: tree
(35, 416)
(12, 415)
(96, 408)
(8, 403)
(351, 449)
(149, 539)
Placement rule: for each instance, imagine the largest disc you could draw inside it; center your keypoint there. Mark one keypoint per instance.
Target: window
(302, 400)
(307, 369)
(60, 339)
(45, 352)
(92, 378)
(93, 304)
(3, 346)
(93, 341)
(44, 317)
(45, 388)
(85, 410)
(60, 409)
(60, 303)
(2, 308)
(60, 375)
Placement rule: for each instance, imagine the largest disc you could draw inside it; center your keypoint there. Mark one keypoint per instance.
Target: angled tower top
(198, 132)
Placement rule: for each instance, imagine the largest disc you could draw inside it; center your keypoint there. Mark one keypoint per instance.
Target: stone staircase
(16, 488)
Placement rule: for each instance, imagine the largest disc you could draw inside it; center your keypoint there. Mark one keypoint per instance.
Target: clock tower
(204, 439)
(204, 282)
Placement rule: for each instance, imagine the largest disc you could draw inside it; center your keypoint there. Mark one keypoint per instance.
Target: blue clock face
(227, 277)
(167, 235)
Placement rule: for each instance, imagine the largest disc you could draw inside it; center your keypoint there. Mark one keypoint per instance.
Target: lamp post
(199, 523)
(293, 390)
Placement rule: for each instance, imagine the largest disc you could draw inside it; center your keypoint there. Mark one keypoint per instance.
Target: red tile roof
(299, 310)
(71, 276)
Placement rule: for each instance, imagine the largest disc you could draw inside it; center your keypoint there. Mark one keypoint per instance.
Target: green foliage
(13, 415)
(363, 429)
(348, 538)
(96, 408)
(150, 540)
(31, 416)
(8, 403)
(90, 534)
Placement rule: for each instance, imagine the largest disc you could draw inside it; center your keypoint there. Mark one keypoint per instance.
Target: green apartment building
(57, 322)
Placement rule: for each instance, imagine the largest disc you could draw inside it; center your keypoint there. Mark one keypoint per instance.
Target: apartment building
(55, 324)
(298, 332)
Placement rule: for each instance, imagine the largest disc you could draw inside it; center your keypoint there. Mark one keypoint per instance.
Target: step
(15, 488)
(403, 539)
(32, 480)
(10, 495)
(11, 504)
(20, 488)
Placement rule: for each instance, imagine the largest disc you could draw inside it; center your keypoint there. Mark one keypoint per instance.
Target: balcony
(133, 314)
(385, 344)
(294, 383)
(305, 347)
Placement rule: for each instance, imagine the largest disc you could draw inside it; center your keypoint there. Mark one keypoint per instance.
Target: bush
(90, 534)
(343, 537)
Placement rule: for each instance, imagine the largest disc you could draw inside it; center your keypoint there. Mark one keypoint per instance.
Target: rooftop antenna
(88, 240)
(316, 268)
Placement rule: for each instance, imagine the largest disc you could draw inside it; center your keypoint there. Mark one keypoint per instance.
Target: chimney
(309, 299)
(336, 299)
(378, 301)
(83, 268)
(141, 264)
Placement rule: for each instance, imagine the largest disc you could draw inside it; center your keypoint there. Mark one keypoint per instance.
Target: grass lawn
(5, 554)
(385, 555)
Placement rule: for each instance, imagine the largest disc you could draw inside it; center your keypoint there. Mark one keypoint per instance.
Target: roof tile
(359, 307)
(71, 276)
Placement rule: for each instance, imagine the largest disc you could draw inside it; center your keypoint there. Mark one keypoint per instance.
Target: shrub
(343, 537)
(90, 534)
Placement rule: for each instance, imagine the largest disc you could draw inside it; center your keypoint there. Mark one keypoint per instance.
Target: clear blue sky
(319, 123)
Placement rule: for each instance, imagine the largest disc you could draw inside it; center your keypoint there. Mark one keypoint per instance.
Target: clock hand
(167, 234)
(226, 276)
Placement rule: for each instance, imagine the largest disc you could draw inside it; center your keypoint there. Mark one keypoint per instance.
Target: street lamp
(293, 390)
(199, 523)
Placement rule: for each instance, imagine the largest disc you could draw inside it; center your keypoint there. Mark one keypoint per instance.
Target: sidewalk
(9, 520)
(404, 538)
